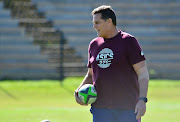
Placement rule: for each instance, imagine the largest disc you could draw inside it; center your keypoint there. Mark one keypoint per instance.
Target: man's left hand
(140, 109)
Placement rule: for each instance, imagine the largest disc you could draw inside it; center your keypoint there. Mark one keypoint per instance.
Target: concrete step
(56, 17)
(1, 4)
(28, 76)
(165, 75)
(16, 42)
(73, 25)
(114, 4)
(90, 34)
(6, 22)
(19, 5)
(75, 40)
(69, 13)
(77, 30)
(29, 67)
(82, 73)
(32, 20)
(66, 59)
(27, 14)
(160, 57)
(12, 58)
(40, 75)
(83, 51)
(85, 41)
(143, 5)
(161, 42)
(161, 48)
(157, 22)
(64, 4)
(153, 53)
(123, 10)
(165, 67)
(54, 49)
(148, 51)
(161, 35)
(13, 31)
(5, 14)
(141, 31)
(38, 22)
(73, 43)
(135, 22)
(148, 13)
(153, 29)
(18, 49)
(119, 14)
(164, 70)
(28, 70)
(139, 1)
(36, 1)
(19, 41)
(157, 40)
(26, 3)
(154, 34)
(70, 21)
(6, 59)
(10, 38)
(143, 40)
(46, 6)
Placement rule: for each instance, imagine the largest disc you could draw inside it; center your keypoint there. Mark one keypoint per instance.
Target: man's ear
(109, 20)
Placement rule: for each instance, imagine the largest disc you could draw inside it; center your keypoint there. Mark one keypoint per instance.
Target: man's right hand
(77, 98)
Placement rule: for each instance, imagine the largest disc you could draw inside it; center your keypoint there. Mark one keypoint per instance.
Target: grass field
(31, 101)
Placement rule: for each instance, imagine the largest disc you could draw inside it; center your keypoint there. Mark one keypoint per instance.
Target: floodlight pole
(0, 43)
(61, 56)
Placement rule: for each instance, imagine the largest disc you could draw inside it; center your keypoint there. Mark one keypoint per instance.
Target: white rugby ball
(87, 94)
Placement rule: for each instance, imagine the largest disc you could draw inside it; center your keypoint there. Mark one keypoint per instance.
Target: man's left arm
(143, 79)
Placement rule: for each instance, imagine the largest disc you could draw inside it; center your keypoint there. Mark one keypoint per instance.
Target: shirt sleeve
(89, 56)
(135, 52)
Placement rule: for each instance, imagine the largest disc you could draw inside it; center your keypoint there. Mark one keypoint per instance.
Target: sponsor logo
(105, 57)
(142, 53)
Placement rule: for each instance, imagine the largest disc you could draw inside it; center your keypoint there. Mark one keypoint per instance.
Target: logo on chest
(104, 58)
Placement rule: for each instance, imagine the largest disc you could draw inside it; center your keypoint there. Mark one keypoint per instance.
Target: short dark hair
(106, 13)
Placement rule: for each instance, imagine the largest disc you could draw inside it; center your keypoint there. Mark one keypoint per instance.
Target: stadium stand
(30, 46)
(19, 58)
(155, 23)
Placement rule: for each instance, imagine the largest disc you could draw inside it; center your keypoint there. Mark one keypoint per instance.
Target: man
(116, 67)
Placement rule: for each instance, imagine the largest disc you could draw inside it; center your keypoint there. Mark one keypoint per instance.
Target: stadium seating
(155, 23)
(26, 51)
(19, 58)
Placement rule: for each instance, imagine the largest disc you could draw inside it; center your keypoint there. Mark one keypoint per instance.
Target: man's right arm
(87, 80)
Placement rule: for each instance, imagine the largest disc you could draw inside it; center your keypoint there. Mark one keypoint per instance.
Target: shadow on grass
(8, 93)
(70, 91)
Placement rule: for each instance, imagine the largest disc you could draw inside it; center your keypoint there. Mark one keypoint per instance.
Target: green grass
(32, 101)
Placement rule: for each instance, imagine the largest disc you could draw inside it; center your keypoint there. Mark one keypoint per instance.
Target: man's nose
(94, 26)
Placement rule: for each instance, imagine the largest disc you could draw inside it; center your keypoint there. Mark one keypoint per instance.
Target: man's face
(100, 25)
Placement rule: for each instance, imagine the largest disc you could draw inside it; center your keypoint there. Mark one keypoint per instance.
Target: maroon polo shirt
(115, 80)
